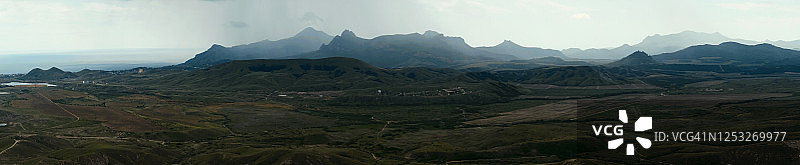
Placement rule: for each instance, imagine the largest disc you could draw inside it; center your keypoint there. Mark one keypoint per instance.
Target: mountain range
(307, 40)
(430, 49)
(339, 73)
(435, 50)
(727, 57)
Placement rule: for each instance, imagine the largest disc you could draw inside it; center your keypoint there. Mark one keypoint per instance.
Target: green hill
(49, 74)
(637, 58)
(336, 73)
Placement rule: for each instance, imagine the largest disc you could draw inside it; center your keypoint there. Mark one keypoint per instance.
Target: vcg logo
(641, 124)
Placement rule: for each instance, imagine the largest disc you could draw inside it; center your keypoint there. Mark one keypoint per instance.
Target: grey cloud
(238, 24)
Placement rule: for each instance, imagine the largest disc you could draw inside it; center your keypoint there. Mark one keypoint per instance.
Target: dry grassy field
(38, 103)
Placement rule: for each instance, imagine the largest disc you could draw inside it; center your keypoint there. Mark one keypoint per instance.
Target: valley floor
(99, 124)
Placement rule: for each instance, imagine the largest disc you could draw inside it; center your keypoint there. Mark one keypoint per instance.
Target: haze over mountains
(433, 49)
(786, 44)
(350, 62)
(102, 59)
(726, 53)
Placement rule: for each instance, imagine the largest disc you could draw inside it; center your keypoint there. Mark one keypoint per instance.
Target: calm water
(112, 59)
(25, 83)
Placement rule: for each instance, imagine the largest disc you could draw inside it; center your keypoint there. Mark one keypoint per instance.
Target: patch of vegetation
(82, 101)
(564, 76)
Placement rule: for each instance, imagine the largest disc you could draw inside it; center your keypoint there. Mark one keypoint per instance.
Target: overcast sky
(558, 24)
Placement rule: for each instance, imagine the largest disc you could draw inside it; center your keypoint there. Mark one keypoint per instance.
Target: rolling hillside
(637, 58)
(562, 76)
(335, 73)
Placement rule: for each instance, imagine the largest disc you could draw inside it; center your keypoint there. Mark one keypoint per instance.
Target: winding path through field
(62, 108)
(9, 147)
(59, 106)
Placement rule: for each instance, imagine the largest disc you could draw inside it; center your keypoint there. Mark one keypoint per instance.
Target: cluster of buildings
(441, 92)
(716, 89)
(91, 82)
(315, 94)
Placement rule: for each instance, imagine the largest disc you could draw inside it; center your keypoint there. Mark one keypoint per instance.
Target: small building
(4, 93)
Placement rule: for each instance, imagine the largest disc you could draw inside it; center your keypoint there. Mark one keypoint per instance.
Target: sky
(42, 25)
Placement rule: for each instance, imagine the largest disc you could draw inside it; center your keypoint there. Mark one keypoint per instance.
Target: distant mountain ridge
(307, 40)
(655, 44)
(732, 53)
(433, 49)
(511, 48)
(49, 74)
(430, 49)
(786, 44)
